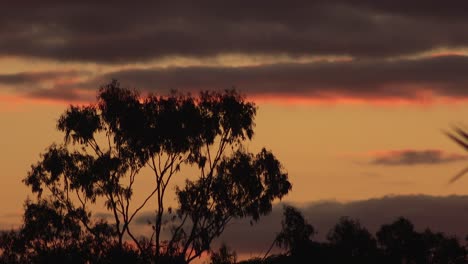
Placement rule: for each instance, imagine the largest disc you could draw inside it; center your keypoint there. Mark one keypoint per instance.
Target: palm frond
(458, 175)
(460, 136)
(462, 133)
(458, 140)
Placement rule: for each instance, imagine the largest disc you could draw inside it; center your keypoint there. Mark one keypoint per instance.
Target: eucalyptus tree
(109, 143)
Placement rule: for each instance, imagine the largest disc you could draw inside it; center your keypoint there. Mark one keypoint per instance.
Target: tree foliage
(353, 242)
(296, 233)
(350, 242)
(108, 144)
(224, 256)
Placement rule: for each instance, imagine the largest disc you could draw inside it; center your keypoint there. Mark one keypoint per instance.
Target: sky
(353, 96)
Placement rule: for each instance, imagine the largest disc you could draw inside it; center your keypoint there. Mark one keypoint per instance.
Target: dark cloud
(61, 94)
(369, 31)
(144, 218)
(46, 85)
(416, 157)
(127, 32)
(28, 78)
(366, 79)
(433, 9)
(104, 216)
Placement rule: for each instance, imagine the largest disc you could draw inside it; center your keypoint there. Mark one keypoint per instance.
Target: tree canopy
(106, 147)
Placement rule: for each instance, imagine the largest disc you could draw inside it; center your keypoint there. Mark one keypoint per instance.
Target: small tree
(442, 248)
(400, 242)
(296, 233)
(224, 256)
(352, 242)
(107, 144)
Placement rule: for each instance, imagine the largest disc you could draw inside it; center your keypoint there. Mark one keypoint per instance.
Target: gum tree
(107, 145)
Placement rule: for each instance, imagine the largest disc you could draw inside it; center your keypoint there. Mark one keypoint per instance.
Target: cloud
(125, 32)
(416, 157)
(144, 218)
(48, 85)
(103, 215)
(29, 78)
(430, 9)
(405, 79)
(61, 94)
(385, 45)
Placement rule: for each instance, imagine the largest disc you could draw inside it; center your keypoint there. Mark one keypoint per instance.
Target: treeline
(347, 242)
(350, 242)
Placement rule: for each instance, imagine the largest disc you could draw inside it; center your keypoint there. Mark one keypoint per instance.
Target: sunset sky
(353, 98)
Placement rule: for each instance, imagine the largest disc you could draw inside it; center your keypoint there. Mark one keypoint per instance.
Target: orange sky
(325, 148)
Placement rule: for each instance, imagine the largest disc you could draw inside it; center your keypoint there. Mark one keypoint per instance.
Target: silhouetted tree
(224, 256)
(273, 259)
(401, 243)
(296, 233)
(352, 243)
(294, 237)
(12, 248)
(443, 249)
(107, 145)
(349, 242)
